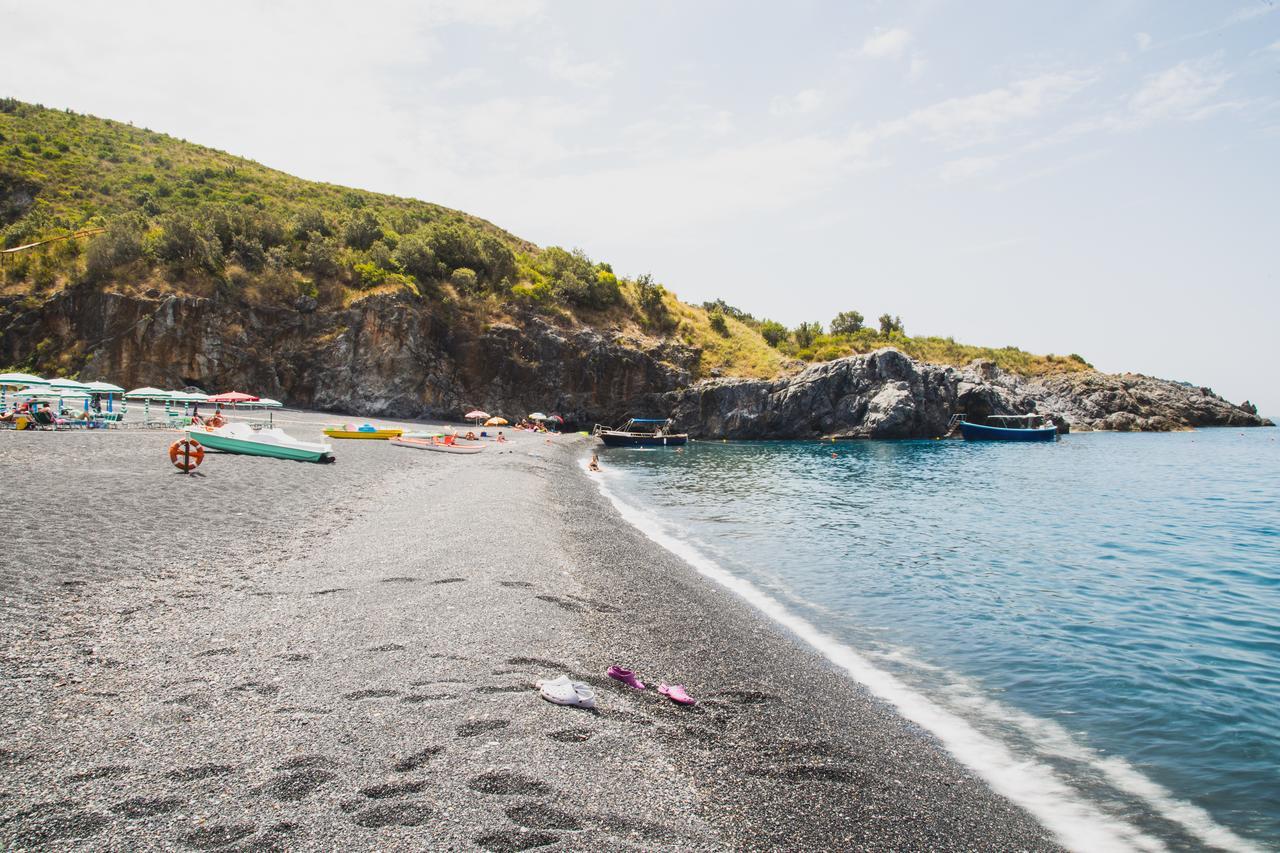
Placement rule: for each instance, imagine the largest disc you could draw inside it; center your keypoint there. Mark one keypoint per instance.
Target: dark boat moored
(1009, 428)
(641, 432)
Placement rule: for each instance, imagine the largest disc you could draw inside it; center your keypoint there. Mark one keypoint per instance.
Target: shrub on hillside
(773, 332)
(416, 257)
(718, 323)
(890, 324)
(805, 334)
(465, 280)
(185, 244)
(362, 231)
(847, 323)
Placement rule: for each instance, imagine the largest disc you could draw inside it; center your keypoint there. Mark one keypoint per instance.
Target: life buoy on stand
(186, 454)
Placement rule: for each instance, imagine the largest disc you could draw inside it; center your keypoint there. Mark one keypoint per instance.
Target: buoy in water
(186, 454)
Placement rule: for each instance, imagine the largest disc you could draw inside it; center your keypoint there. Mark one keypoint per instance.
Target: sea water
(1092, 625)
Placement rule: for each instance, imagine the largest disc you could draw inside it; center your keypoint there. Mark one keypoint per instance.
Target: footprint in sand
(540, 663)
(258, 687)
(393, 814)
(562, 603)
(200, 771)
(471, 728)
(448, 580)
(515, 584)
(598, 606)
(393, 789)
(505, 782)
(298, 785)
(218, 835)
(303, 762)
(56, 828)
(400, 579)
(506, 688)
(107, 771)
(294, 656)
(142, 807)
(571, 735)
(387, 647)
(809, 773)
(541, 816)
(222, 650)
(417, 759)
(510, 841)
(746, 697)
(371, 693)
(330, 591)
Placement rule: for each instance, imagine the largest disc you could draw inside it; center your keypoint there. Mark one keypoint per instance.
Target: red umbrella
(233, 397)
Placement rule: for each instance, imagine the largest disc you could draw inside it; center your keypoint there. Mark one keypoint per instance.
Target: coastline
(347, 659)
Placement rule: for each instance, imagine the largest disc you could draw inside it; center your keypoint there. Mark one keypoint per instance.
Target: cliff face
(885, 394)
(399, 357)
(384, 355)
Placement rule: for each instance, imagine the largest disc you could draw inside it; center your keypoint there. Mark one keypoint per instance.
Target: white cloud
(1181, 92)
(1248, 13)
(962, 118)
(887, 44)
(1274, 46)
(591, 74)
(965, 168)
(804, 101)
(1144, 41)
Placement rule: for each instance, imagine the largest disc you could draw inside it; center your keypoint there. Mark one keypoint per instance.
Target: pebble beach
(272, 655)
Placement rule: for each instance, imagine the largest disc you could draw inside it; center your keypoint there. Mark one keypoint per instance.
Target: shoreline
(347, 659)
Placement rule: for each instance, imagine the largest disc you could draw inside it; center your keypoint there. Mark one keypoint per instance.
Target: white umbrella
(537, 416)
(106, 389)
(66, 385)
(16, 380)
(146, 395)
(268, 403)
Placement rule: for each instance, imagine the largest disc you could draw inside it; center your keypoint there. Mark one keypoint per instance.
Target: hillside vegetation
(187, 219)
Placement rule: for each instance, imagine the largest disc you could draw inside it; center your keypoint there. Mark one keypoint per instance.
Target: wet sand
(283, 656)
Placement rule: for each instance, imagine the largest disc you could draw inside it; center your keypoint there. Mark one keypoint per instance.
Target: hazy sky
(1091, 177)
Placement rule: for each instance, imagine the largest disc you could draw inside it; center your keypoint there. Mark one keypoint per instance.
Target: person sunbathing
(216, 421)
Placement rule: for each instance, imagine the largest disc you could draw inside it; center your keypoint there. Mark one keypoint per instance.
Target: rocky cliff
(393, 355)
(885, 394)
(387, 355)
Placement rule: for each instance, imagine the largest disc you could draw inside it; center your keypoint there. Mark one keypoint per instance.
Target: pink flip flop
(676, 694)
(626, 676)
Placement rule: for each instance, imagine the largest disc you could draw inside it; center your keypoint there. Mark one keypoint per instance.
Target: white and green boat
(276, 443)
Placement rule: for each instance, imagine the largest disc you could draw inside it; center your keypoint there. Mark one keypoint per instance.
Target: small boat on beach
(1009, 428)
(439, 443)
(368, 431)
(247, 441)
(641, 432)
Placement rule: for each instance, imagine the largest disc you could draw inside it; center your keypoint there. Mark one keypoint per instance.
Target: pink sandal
(676, 694)
(626, 676)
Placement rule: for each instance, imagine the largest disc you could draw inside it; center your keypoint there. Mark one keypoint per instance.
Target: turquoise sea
(1092, 625)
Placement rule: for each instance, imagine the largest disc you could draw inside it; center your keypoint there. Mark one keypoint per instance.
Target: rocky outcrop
(885, 394)
(400, 356)
(388, 355)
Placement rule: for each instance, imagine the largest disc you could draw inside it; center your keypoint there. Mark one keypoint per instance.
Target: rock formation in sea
(885, 394)
(393, 356)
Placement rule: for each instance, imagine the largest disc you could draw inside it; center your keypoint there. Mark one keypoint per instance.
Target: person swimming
(594, 464)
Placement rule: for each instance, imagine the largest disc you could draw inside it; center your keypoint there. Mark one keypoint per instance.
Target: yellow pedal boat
(362, 431)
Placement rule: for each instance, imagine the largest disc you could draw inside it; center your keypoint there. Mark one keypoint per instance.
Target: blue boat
(641, 432)
(1009, 428)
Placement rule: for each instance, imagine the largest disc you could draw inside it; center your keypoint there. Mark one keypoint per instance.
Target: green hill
(183, 218)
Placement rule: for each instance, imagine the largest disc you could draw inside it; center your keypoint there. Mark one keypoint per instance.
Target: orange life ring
(186, 454)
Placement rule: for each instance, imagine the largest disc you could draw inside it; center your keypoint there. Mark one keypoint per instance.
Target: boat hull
(982, 432)
(244, 447)
(614, 439)
(427, 444)
(375, 435)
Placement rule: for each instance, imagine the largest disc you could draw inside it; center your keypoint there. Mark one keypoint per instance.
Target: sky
(1070, 177)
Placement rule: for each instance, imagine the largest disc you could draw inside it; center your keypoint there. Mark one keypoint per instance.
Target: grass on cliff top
(936, 350)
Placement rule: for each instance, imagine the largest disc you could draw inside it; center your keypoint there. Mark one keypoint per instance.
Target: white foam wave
(1077, 823)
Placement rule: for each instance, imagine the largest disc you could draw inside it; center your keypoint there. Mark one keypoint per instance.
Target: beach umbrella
(17, 380)
(106, 389)
(268, 403)
(146, 395)
(233, 397)
(476, 415)
(537, 416)
(496, 422)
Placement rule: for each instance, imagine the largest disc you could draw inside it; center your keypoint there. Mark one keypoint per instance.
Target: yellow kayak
(363, 431)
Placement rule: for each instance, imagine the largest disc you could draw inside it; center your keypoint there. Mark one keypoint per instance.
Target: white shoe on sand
(565, 691)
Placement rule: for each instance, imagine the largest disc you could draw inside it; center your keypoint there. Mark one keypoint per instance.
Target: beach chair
(42, 420)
